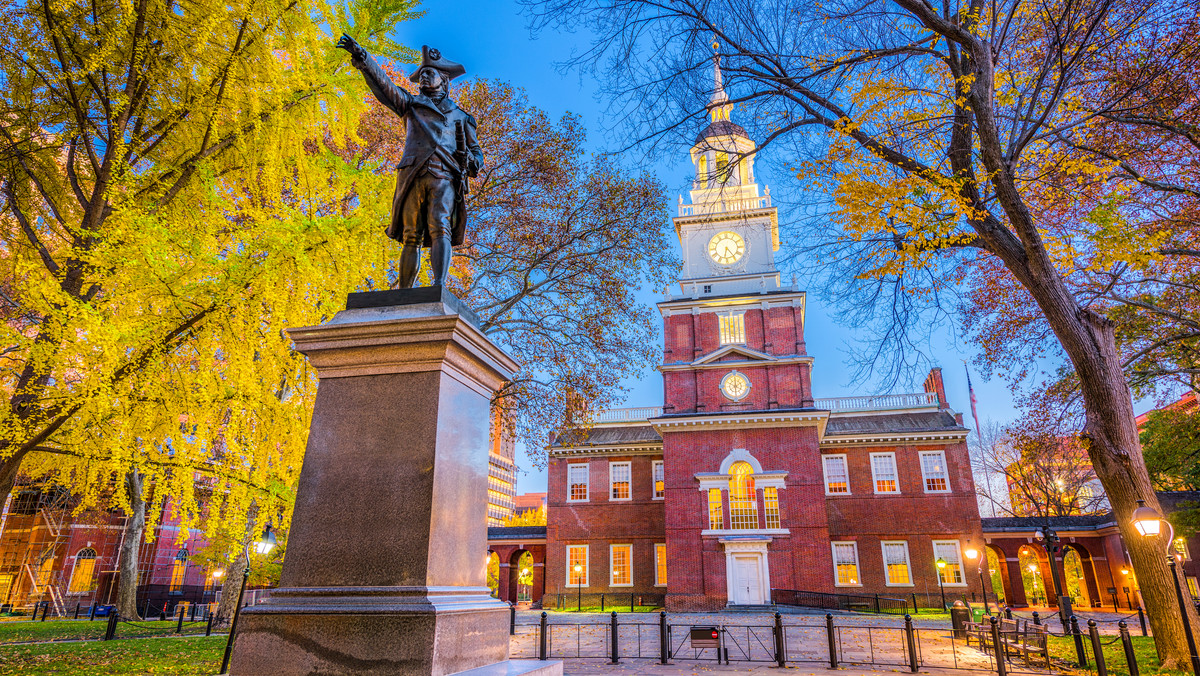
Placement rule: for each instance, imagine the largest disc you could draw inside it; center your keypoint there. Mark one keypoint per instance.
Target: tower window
(708, 288)
(722, 167)
(743, 507)
(733, 328)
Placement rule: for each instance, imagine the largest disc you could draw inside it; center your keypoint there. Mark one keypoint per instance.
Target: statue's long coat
(429, 132)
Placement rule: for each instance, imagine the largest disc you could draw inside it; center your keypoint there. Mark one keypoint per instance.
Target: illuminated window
(660, 565)
(178, 569)
(716, 520)
(837, 479)
(733, 328)
(933, 469)
(659, 484)
(81, 574)
(895, 561)
(1192, 587)
(722, 163)
(845, 563)
(618, 480)
(577, 565)
(6, 582)
(1182, 548)
(743, 510)
(702, 168)
(621, 557)
(947, 550)
(577, 483)
(883, 471)
(771, 506)
(45, 571)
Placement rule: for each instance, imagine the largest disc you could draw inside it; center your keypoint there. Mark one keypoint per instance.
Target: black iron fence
(606, 602)
(857, 602)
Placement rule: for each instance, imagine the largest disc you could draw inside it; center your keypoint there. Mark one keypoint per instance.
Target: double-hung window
(933, 471)
(621, 557)
(577, 483)
(618, 479)
(577, 565)
(659, 483)
(845, 564)
(948, 552)
(895, 563)
(716, 516)
(837, 477)
(771, 506)
(883, 472)
(660, 565)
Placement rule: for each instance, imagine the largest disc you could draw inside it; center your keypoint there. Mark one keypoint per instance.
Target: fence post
(193, 613)
(631, 603)
(664, 639)
(1036, 619)
(1097, 649)
(208, 628)
(910, 635)
(915, 604)
(45, 610)
(1127, 644)
(110, 632)
(1079, 651)
(614, 638)
(542, 638)
(77, 607)
(146, 612)
(512, 619)
(832, 641)
(877, 604)
(1007, 613)
(780, 645)
(602, 603)
(179, 624)
(998, 648)
(1142, 620)
(92, 612)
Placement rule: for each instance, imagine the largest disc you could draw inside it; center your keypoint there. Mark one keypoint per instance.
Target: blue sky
(491, 39)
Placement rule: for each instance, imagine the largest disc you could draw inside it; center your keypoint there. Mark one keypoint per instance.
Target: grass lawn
(65, 630)
(608, 608)
(176, 656)
(1063, 650)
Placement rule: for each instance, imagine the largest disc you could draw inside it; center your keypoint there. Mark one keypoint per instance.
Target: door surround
(747, 547)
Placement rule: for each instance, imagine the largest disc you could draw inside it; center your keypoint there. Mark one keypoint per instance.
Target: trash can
(960, 615)
(977, 614)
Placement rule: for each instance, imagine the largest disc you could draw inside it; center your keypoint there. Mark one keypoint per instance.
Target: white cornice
(743, 363)
(749, 301)
(649, 448)
(744, 420)
(893, 438)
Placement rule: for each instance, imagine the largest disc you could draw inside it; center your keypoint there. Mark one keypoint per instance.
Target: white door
(747, 583)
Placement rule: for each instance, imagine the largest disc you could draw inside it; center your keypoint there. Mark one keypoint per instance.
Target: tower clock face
(735, 386)
(726, 248)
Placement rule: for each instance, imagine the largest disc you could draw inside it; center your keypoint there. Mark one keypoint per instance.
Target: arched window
(81, 574)
(178, 570)
(743, 504)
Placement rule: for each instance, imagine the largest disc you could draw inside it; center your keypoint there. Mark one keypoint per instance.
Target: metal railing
(723, 205)
(862, 603)
(882, 402)
(626, 414)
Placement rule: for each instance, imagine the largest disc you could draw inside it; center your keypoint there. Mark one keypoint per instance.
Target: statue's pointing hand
(356, 51)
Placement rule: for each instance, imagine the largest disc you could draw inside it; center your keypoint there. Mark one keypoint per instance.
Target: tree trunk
(229, 593)
(131, 543)
(8, 475)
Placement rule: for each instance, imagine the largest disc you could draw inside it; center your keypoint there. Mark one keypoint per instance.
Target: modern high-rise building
(502, 476)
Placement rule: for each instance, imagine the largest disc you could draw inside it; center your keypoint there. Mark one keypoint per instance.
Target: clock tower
(739, 429)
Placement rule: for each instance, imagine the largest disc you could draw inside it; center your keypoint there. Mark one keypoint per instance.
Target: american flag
(971, 392)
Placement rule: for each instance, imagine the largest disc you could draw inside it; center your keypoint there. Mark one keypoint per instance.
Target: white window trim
(659, 546)
(924, 479)
(587, 481)
(825, 473)
(611, 576)
(653, 465)
(907, 560)
(611, 465)
(875, 480)
(587, 566)
(857, 563)
(961, 568)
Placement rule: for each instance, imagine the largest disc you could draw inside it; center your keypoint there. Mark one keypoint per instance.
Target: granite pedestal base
(385, 570)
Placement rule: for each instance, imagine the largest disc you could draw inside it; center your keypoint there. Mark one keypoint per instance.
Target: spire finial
(718, 95)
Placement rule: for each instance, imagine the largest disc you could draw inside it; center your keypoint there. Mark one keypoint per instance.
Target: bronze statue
(440, 153)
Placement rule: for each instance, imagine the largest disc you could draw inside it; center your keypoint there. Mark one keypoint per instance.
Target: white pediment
(742, 351)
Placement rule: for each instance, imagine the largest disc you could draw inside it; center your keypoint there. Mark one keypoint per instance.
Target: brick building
(744, 484)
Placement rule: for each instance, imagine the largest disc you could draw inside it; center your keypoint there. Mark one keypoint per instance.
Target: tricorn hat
(432, 58)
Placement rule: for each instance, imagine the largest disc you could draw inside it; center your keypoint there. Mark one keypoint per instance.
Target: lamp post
(1149, 522)
(972, 554)
(263, 546)
(1033, 575)
(941, 565)
(1050, 540)
(524, 574)
(578, 587)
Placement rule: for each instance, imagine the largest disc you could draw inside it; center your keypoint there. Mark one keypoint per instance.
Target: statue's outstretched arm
(381, 85)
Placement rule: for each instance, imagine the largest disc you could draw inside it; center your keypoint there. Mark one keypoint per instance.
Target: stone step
(762, 608)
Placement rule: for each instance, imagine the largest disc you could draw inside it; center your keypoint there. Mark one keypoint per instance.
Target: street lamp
(264, 546)
(1149, 522)
(1033, 576)
(524, 574)
(972, 553)
(941, 565)
(1050, 540)
(578, 587)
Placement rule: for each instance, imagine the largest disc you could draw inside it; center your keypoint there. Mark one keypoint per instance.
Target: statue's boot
(439, 259)
(410, 262)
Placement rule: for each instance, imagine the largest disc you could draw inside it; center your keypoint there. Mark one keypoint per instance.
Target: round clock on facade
(726, 248)
(735, 385)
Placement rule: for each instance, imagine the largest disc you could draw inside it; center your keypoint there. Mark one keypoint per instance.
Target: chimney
(933, 383)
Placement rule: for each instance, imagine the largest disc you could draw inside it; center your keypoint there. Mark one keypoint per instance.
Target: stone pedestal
(386, 560)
